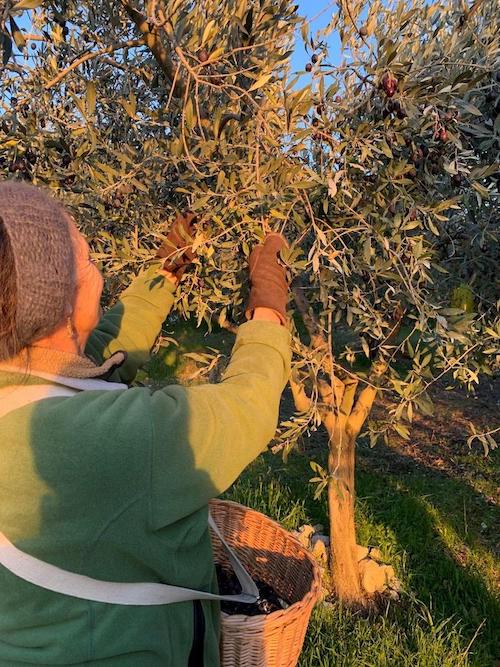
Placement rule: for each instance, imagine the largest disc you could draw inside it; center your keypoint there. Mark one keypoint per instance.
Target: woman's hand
(269, 285)
(177, 249)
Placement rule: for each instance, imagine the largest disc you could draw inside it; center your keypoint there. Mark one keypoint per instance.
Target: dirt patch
(439, 442)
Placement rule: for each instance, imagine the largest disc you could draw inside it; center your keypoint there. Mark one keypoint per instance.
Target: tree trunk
(343, 416)
(344, 564)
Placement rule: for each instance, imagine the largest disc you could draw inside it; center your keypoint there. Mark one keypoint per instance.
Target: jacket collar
(57, 363)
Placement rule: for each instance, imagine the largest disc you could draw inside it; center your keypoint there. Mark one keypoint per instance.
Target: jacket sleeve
(205, 436)
(133, 323)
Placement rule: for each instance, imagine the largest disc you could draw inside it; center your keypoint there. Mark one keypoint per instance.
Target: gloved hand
(177, 248)
(269, 285)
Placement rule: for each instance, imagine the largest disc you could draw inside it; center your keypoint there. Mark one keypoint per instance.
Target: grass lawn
(447, 615)
(430, 506)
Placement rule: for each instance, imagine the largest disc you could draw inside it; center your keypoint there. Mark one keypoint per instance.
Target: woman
(113, 482)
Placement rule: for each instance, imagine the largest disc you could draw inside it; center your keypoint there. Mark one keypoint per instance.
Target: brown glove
(269, 285)
(177, 249)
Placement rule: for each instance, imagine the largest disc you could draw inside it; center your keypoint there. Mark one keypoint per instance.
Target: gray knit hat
(37, 227)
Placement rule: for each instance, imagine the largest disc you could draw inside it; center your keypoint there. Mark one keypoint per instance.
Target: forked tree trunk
(343, 422)
(343, 417)
(343, 411)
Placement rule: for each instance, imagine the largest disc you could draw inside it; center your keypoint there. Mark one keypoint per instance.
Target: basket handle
(248, 587)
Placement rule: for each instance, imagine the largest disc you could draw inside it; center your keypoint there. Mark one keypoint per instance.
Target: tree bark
(341, 497)
(153, 41)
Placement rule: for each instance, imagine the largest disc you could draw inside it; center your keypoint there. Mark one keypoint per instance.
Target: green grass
(447, 615)
(169, 364)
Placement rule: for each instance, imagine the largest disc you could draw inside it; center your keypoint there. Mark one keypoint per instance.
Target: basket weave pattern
(272, 555)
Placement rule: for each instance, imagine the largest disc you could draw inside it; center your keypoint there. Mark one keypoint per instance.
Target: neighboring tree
(381, 171)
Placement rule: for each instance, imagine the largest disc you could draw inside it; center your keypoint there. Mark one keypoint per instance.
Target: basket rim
(310, 598)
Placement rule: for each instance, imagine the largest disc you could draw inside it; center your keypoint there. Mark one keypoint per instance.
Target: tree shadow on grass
(423, 509)
(415, 514)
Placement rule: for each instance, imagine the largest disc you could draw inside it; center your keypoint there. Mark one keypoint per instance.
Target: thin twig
(131, 43)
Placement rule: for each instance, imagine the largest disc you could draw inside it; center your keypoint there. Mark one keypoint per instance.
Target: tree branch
(469, 12)
(310, 320)
(361, 410)
(300, 398)
(89, 56)
(340, 395)
(349, 395)
(34, 38)
(225, 120)
(348, 11)
(331, 393)
(475, 6)
(153, 41)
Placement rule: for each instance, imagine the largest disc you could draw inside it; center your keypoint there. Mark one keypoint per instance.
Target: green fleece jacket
(115, 484)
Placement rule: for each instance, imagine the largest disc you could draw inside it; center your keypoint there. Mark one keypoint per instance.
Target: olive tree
(380, 170)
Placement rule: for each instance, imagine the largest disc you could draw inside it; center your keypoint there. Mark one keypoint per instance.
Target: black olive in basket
(268, 602)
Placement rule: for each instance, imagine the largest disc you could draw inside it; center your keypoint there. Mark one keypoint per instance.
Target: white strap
(82, 384)
(14, 397)
(56, 579)
(62, 581)
(248, 586)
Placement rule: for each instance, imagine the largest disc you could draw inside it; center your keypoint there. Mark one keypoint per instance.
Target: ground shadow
(441, 578)
(412, 511)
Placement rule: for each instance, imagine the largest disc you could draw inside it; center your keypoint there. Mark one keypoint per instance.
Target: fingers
(253, 260)
(177, 247)
(186, 218)
(274, 242)
(271, 245)
(189, 219)
(183, 227)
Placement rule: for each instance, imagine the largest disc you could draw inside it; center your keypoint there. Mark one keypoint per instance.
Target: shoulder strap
(17, 396)
(56, 579)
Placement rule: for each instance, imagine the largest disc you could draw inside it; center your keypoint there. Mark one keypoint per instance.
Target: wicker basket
(272, 555)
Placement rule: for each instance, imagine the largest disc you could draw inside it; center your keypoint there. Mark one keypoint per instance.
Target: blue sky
(319, 12)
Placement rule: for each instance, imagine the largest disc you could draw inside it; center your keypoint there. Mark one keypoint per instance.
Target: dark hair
(9, 342)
